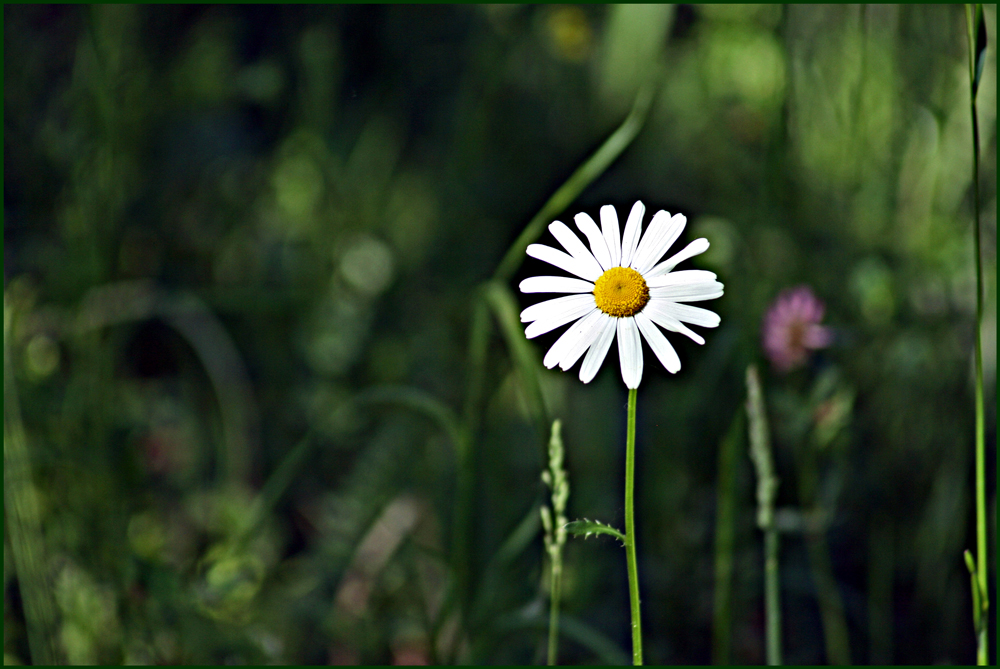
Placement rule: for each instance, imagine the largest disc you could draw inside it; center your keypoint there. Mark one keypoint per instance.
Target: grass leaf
(980, 48)
(505, 309)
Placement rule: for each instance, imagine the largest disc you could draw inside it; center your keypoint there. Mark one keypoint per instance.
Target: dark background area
(225, 225)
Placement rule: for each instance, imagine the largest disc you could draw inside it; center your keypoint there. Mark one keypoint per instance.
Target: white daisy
(621, 290)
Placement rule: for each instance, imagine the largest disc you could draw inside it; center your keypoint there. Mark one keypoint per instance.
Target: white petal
(612, 236)
(597, 244)
(569, 338)
(565, 261)
(661, 234)
(688, 293)
(659, 313)
(683, 278)
(685, 286)
(548, 323)
(630, 352)
(555, 284)
(633, 229)
(572, 243)
(693, 315)
(694, 248)
(599, 350)
(665, 353)
(557, 307)
(589, 329)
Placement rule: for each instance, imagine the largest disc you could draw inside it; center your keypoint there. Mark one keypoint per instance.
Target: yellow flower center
(620, 292)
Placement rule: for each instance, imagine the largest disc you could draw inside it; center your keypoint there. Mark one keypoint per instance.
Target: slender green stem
(555, 592)
(977, 43)
(772, 603)
(633, 570)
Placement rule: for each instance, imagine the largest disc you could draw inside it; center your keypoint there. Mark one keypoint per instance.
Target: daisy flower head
(622, 289)
(791, 328)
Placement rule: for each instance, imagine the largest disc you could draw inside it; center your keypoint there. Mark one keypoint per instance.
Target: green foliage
(267, 396)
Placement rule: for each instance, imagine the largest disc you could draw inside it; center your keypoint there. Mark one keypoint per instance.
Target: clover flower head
(622, 289)
(791, 328)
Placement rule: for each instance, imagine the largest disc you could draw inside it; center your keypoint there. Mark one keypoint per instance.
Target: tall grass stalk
(554, 522)
(976, 24)
(767, 490)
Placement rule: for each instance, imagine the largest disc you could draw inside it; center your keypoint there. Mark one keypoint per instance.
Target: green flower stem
(977, 46)
(633, 571)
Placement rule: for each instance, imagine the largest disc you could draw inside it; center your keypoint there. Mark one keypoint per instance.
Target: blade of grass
(465, 473)
(831, 605)
(479, 334)
(420, 402)
(130, 301)
(605, 650)
(724, 529)
(505, 310)
(881, 559)
(584, 175)
(23, 525)
(423, 403)
(977, 53)
(276, 485)
(522, 536)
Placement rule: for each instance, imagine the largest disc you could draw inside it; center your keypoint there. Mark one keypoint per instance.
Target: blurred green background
(224, 226)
